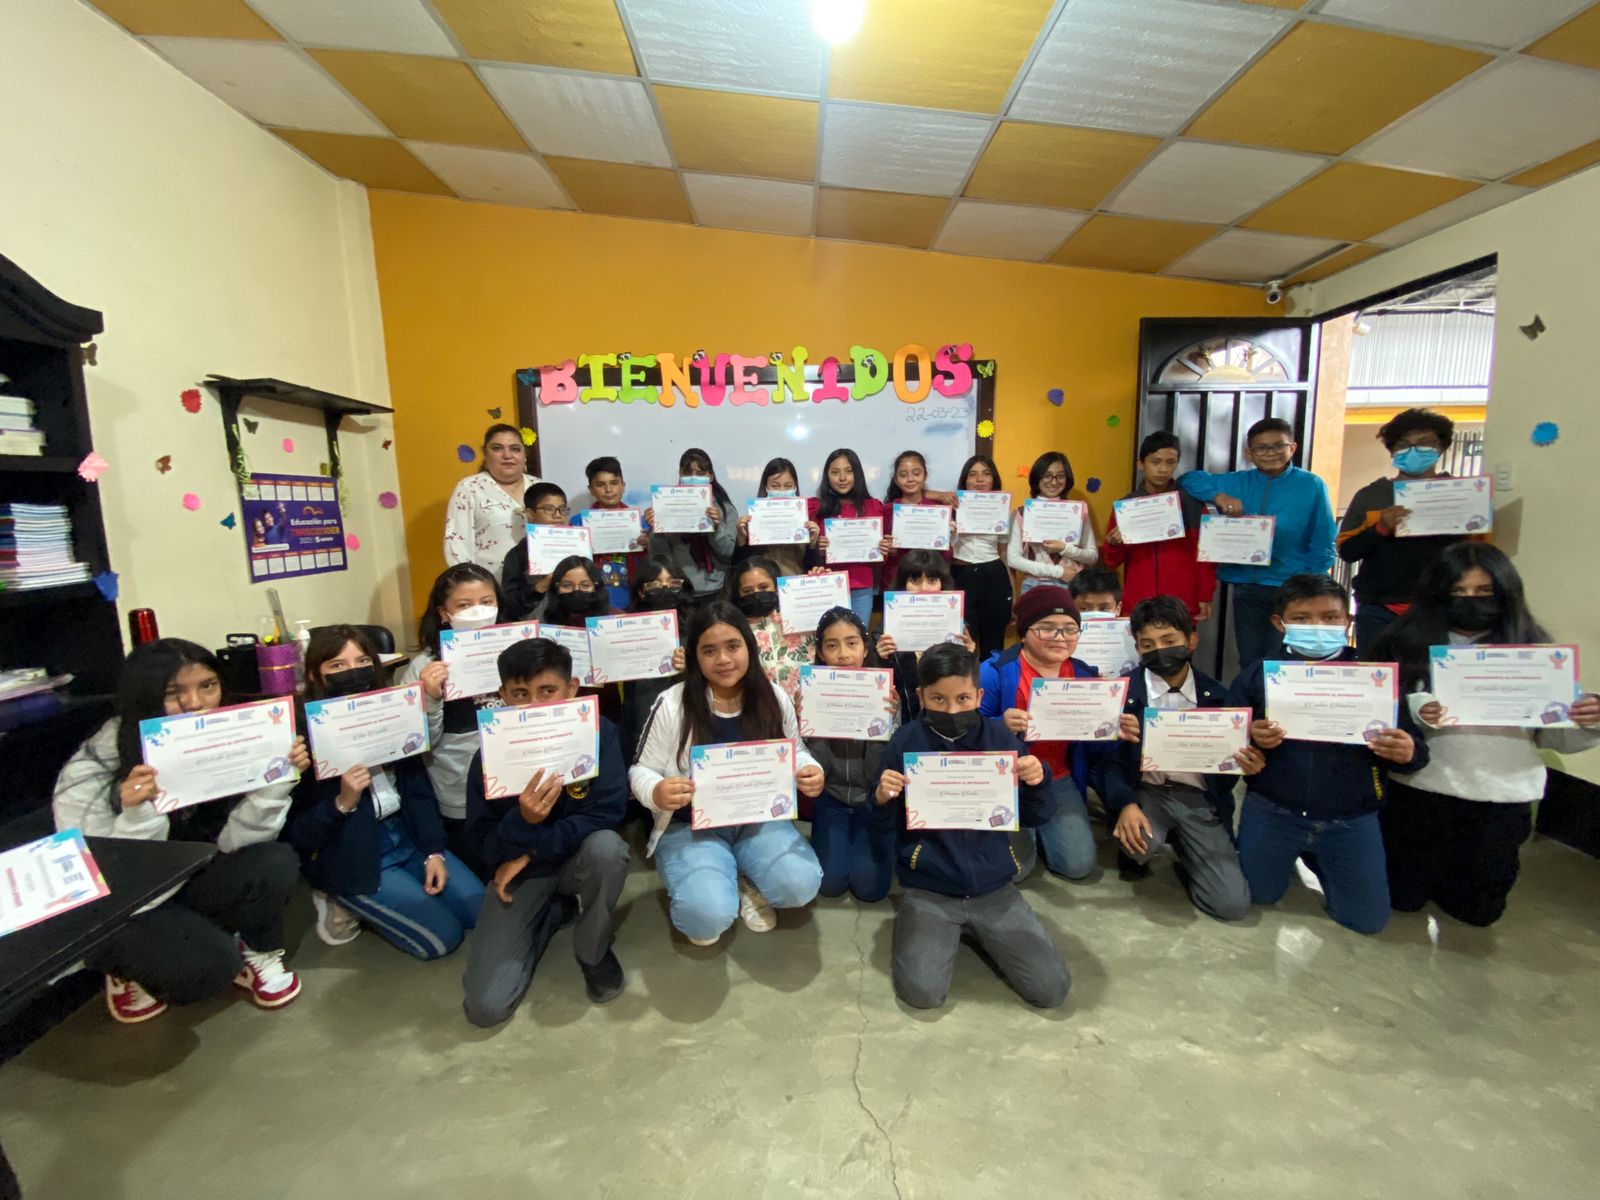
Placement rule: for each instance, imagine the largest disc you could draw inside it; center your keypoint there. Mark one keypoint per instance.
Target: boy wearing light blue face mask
(1319, 800)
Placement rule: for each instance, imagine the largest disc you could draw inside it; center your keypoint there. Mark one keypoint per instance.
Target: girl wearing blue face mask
(1388, 567)
(779, 479)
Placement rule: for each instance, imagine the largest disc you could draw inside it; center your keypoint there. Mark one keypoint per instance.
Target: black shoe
(1130, 871)
(603, 981)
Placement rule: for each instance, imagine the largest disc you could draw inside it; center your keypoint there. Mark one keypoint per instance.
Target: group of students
(415, 851)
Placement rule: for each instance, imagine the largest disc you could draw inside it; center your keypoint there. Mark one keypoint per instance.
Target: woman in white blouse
(484, 519)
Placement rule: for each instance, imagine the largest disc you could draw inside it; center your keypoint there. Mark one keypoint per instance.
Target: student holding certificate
(779, 481)
(578, 592)
(1319, 798)
(724, 697)
(658, 587)
(979, 570)
(1453, 829)
(225, 925)
(370, 840)
(606, 487)
(843, 493)
(554, 852)
(523, 593)
(753, 590)
(1169, 566)
(908, 488)
(959, 880)
(919, 571)
(1051, 559)
(703, 558)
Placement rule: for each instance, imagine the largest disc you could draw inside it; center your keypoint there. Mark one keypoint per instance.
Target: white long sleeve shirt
(482, 523)
(1031, 558)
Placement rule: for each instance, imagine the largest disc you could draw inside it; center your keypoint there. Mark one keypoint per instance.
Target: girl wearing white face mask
(464, 596)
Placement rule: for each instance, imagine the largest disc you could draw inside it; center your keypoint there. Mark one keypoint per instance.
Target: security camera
(1275, 292)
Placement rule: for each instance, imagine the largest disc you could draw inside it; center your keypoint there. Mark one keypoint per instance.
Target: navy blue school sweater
(957, 862)
(497, 831)
(1326, 781)
(1119, 781)
(339, 852)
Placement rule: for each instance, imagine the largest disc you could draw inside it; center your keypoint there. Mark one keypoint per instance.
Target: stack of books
(17, 432)
(36, 547)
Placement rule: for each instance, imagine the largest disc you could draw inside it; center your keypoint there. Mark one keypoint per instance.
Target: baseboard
(1570, 812)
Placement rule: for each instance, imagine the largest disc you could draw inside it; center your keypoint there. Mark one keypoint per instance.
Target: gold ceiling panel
(1130, 243)
(891, 217)
(1279, 3)
(585, 35)
(1559, 168)
(425, 99)
(375, 161)
(1577, 42)
(1056, 165)
(622, 189)
(188, 18)
(1348, 257)
(735, 133)
(1351, 201)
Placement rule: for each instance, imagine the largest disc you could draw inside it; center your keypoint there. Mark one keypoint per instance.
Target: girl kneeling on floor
(372, 839)
(225, 925)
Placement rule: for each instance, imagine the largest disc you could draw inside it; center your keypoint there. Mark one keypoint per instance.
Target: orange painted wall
(471, 292)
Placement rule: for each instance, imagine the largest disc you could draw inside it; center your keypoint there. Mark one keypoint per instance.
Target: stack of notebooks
(17, 432)
(36, 547)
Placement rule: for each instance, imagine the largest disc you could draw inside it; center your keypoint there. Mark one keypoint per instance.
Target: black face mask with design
(758, 604)
(952, 726)
(1473, 614)
(351, 682)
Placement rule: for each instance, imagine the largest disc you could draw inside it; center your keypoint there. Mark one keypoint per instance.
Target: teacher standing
(484, 520)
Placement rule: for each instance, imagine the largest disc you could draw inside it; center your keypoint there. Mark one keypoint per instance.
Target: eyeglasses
(551, 510)
(566, 589)
(1054, 633)
(1422, 443)
(1053, 477)
(1272, 448)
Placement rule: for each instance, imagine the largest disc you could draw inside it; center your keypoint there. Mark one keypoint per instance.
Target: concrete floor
(1282, 1058)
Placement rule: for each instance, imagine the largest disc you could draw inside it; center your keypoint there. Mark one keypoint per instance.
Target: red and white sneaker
(129, 1003)
(269, 982)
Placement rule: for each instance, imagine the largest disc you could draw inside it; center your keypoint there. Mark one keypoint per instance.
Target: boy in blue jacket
(1319, 800)
(959, 880)
(550, 843)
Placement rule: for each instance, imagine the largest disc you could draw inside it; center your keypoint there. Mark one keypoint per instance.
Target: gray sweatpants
(927, 934)
(1205, 848)
(508, 940)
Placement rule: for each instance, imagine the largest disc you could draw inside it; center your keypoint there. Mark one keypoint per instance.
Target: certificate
(777, 521)
(1075, 710)
(366, 730)
(1246, 540)
(1106, 644)
(847, 702)
(854, 539)
(46, 878)
(549, 544)
(1445, 506)
(983, 512)
(614, 530)
(921, 527)
(219, 752)
(961, 791)
(632, 647)
(917, 620)
(473, 656)
(577, 643)
(1530, 686)
(1149, 518)
(1053, 520)
(802, 599)
(681, 508)
(742, 783)
(1332, 702)
(1196, 741)
(562, 737)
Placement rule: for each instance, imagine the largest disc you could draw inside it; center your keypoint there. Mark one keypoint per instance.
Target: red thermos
(142, 626)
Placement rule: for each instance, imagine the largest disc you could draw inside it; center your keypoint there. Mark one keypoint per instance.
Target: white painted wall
(211, 247)
(1549, 251)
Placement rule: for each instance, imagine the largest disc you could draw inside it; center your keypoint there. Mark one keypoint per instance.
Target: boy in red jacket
(1162, 568)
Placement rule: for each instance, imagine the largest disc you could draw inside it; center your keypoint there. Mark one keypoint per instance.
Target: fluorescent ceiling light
(837, 21)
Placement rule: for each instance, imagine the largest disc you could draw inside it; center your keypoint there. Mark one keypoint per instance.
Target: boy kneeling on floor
(545, 846)
(958, 880)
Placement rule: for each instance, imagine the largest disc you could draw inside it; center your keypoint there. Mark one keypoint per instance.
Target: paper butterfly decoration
(228, 522)
(525, 377)
(494, 413)
(387, 442)
(106, 581)
(986, 369)
(251, 426)
(164, 463)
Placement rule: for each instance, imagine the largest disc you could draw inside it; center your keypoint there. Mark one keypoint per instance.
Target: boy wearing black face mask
(1143, 807)
(959, 881)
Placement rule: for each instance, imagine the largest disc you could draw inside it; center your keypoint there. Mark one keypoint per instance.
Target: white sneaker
(129, 1003)
(754, 910)
(263, 975)
(703, 941)
(336, 924)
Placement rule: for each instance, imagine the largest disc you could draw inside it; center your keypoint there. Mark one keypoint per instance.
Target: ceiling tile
(188, 18)
(879, 217)
(376, 162)
(1243, 255)
(621, 189)
(269, 82)
(1491, 195)
(426, 99)
(1005, 230)
(735, 133)
(1127, 244)
(1517, 113)
(1559, 168)
(580, 116)
(497, 176)
(401, 26)
(961, 56)
(1323, 88)
(1350, 201)
(899, 149)
(1279, 3)
(586, 35)
(764, 205)
(1491, 22)
(756, 45)
(1055, 165)
(1143, 66)
(1198, 181)
(1577, 42)
(1334, 263)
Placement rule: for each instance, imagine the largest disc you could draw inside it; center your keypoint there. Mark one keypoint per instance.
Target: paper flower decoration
(92, 467)
(1113, 421)
(288, 445)
(388, 500)
(1093, 485)
(466, 453)
(1545, 433)
(529, 437)
(191, 399)
(352, 542)
(191, 501)
(986, 429)
(1056, 396)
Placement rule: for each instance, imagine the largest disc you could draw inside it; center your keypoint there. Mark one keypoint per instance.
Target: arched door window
(1222, 361)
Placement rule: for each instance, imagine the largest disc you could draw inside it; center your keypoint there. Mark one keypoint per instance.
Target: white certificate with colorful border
(921, 527)
(1524, 686)
(219, 752)
(367, 729)
(854, 539)
(577, 643)
(1146, 519)
(802, 599)
(1106, 643)
(46, 878)
(847, 702)
(1346, 702)
(549, 544)
(636, 646)
(742, 783)
(962, 791)
(777, 521)
(1194, 741)
(1053, 520)
(680, 508)
(473, 656)
(1243, 540)
(918, 620)
(563, 736)
(1445, 506)
(614, 530)
(983, 512)
(1075, 710)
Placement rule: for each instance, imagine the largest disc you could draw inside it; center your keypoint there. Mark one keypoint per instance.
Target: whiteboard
(742, 439)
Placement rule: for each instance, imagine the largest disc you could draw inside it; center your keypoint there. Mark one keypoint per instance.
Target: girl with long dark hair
(908, 485)
(657, 587)
(779, 480)
(843, 493)
(703, 558)
(979, 571)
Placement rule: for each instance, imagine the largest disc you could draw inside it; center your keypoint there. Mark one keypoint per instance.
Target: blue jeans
(701, 869)
(852, 856)
(422, 925)
(1066, 841)
(1253, 634)
(1348, 859)
(861, 604)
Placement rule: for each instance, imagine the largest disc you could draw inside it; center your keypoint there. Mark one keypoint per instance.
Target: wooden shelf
(291, 393)
(66, 591)
(38, 464)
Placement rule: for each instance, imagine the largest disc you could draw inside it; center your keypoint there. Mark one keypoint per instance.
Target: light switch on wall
(1505, 477)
